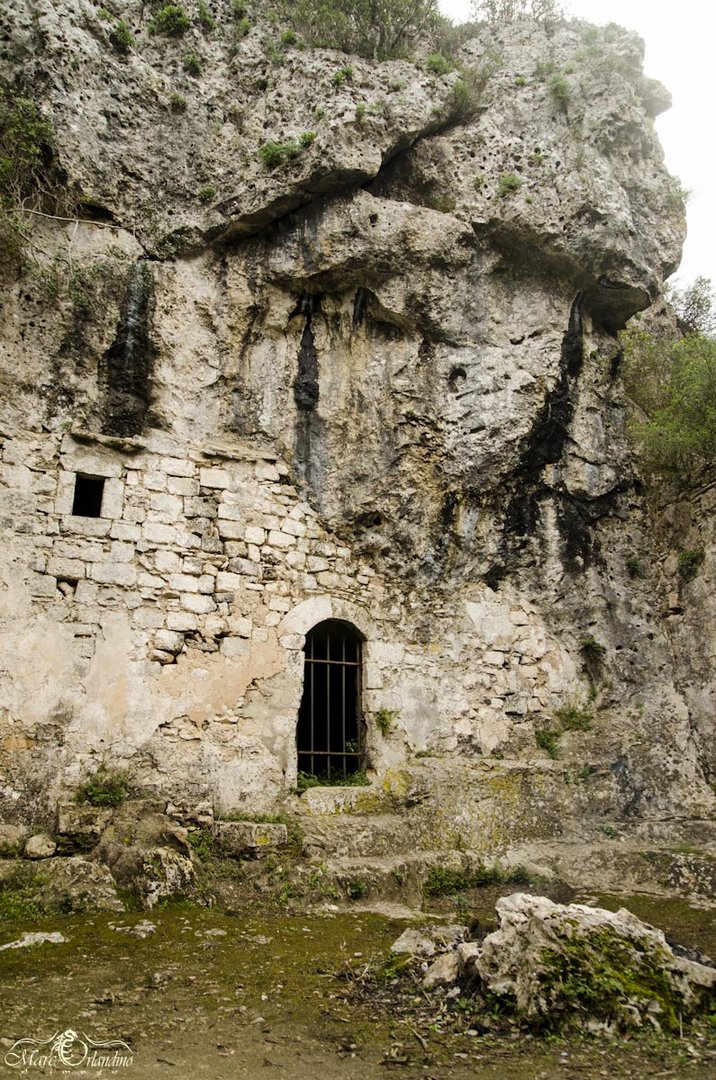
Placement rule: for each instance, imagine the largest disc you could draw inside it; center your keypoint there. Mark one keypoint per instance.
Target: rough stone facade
(370, 386)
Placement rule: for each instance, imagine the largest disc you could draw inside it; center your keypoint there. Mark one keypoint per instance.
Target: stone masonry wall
(168, 632)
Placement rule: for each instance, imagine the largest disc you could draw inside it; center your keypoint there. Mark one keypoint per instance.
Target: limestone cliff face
(376, 382)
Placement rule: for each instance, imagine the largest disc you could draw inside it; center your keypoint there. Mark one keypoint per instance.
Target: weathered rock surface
(40, 846)
(164, 873)
(443, 971)
(427, 940)
(61, 884)
(378, 384)
(237, 837)
(83, 824)
(12, 839)
(78, 884)
(54, 937)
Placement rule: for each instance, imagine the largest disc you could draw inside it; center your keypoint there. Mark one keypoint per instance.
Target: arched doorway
(329, 735)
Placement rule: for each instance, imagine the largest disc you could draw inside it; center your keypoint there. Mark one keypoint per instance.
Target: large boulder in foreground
(560, 965)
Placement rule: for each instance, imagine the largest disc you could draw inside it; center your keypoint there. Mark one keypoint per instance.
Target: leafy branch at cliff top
(25, 152)
(505, 11)
(378, 29)
(672, 380)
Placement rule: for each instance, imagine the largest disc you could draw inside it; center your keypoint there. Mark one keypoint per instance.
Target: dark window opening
(329, 736)
(88, 496)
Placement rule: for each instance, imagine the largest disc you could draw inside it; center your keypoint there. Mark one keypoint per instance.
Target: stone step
(624, 865)
(355, 835)
(675, 834)
(393, 878)
(343, 800)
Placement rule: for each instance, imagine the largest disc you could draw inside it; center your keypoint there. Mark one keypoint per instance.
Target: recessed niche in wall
(88, 496)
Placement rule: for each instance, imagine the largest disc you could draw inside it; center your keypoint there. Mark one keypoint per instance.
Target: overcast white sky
(681, 52)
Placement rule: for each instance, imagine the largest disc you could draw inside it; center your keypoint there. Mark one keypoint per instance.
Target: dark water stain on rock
(126, 368)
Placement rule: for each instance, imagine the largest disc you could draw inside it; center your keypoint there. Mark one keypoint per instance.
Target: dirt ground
(258, 995)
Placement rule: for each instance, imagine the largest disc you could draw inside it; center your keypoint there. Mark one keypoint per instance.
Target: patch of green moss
(18, 894)
(601, 975)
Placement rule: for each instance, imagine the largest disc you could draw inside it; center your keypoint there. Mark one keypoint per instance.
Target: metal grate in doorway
(328, 736)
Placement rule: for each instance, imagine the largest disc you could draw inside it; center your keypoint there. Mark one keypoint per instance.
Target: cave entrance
(329, 736)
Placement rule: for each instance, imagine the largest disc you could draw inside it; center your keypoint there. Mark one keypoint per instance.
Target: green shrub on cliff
(673, 383)
(25, 166)
(121, 38)
(104, 788)
(171, 20)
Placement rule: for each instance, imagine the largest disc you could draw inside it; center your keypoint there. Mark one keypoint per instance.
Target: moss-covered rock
(576, 966)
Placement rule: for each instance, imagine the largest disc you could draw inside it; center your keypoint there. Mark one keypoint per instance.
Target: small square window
(88, 496)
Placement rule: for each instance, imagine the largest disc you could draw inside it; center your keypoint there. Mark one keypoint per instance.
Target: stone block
(237, 837)
(293, 528)
(12, 839)
(155, 481)
(114, 574)
(177, 467)
(86, 593)
(280, 603)
(494, 659)
(92, 462)
(182, 485)
(40, 846)
(245, 567)
(228, 582)
(182, 621)
(121, 552)
(170, 641)
(82, 821)
(201, 507)
(231, 530)
(241, 627)
(66, 568)
(231, 512)
(149, 618)
(266, 471)
(212, 545)
(85, 526)
(328, 580)
(121, 530)
(195, 602)
(193, 565)
(279, 539)
(160, 656)
(184, 583)
(214, 478)
(160, 534)
(43, 585)
(167, 562)
(112, 498)
(169, 505)
(150, 581)
(254, 534)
